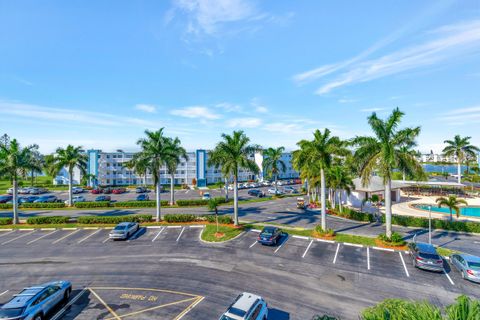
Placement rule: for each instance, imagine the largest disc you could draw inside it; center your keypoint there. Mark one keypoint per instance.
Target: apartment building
(109, 169)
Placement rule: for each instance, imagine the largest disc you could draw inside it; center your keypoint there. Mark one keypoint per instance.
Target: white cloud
(461, 116)
(146, 108)
(229, 107)
(259, 107)
(344, 100)
(372, 109)
(199, 112)
(244, 122)
(207, 16)
(451, 42)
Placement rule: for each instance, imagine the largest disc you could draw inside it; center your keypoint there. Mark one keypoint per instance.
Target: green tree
(212, 205)
(273, 163)
(398, 309)
(139, 165)
(461, 149)
(340, 180)
(464, 308)
(87, 178)
(14, 164)
(172, 162)
(318, 153)
(36, 163)
(452, 203)
(155, 150)
(69, 158)
(232, 154)
(382, 153)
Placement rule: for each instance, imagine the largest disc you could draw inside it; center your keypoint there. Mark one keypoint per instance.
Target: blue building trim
(201, 166)
(92, 167)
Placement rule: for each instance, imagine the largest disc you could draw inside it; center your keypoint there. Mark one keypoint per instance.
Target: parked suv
(36, 302)
(140, 189)
(247, 306)
(45, 199)
(425, 256)
(256, 193)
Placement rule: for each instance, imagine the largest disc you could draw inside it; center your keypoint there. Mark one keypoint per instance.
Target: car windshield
(429, 256)
(474, 265)
(120, 227)
(236, 312)
(267, 232)
(10, 313)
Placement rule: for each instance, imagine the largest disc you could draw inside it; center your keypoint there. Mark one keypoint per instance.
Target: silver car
(124, 230)
(468, 265)
(35, 303)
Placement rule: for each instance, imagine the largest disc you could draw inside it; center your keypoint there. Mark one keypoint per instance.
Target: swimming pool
(464, 211)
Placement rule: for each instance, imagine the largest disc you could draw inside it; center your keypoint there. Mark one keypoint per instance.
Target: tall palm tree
(461, 149)
(172, 162)
(69, 158)
(382, 154)
(155, 150)
(232, 154)
(139, 165)
(452, 203)
(320, 152)
(340, 179)
(14, 164)
(273, 163)
(36, 163)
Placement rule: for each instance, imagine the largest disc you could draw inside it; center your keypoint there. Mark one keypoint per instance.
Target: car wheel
(463, 275)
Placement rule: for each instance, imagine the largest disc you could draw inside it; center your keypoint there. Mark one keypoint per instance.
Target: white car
(230, 187)
(76, 199)
(77, 190)
(247, 306)
(206, 196)
(272, 191)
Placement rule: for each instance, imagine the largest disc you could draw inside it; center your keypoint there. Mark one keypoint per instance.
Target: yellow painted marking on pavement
(190, 307)
(145, 289)
(115, 316)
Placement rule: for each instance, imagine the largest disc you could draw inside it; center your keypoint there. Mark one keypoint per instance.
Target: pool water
(464, 211)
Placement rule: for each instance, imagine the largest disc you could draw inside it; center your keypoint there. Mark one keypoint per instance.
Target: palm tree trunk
(70, 185)
(226, 189)
(172, 191)
(15, 202)
(340, 200)
(157, 198)
(388, 208)
(308, 191)
(322, 197)
(459, 171)
(403, 175)
(235, 201)
(451, 215)
(276, 185)
(32, 177)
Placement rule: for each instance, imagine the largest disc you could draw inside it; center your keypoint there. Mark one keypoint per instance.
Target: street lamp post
(430, 224)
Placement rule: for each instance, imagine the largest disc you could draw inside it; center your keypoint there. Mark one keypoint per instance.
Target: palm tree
(340, 179)
(232, 154)
(382, 154)
(36, 163)
(87, 178)
(139, 165)
(319, 152)
(156, 149)
(172, 162)
(273, 163)
(14, 164)
(69, 158)
(452, 203)
(212, 205)
(461, 149)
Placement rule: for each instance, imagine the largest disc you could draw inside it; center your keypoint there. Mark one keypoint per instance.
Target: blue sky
(99, 73)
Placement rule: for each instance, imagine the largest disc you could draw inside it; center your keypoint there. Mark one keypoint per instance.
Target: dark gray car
(468, 265)
(425, 256)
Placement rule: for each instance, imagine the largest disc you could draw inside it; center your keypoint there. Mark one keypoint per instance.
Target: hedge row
(47, 220)
(47, 205)
(92, 204)
(223, 219)
(353, 215)
(174, 218)
(139, 204)
(6, 206)
(197, 202)
(114, 219)
(5, 221)
(408, 221)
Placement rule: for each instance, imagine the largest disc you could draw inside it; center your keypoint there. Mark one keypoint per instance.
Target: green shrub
(223, 219)
(6, 205)
(324, 233)
(92, 204)
(47, 205)
(408, 221)
(176, 218)
(114, 219)
(395, 240)
(198, 202)
(397, 309)
(139, 204)
(349, 213)
(48, 220)
(5, 221)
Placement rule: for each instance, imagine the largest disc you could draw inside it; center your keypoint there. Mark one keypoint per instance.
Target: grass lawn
(226, 233)
(41, 181)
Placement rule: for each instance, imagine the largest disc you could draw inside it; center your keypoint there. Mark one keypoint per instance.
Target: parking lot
(169, 273)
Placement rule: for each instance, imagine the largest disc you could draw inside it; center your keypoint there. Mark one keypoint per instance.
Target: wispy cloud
(461, 116)
(19, 109)
(345, 100)
(372, 109)
(244, 122)
(229, 107)
(196, 112)
(259, 107)
(149, 108)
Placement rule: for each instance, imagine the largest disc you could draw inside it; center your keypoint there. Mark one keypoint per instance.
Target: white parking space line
(108, 238)
(23, 235)
(449, 279)
(195, 226)
(300, 237)
(404, 265)
(253, 244)
(174, 227)
(368, 258)
(281, 245)
(308, 248)
(353, 245)
(72, 301)
(158, 234)
(336, 254)
(64, 237)
(383, 249)
(7, 233)
(327, 241)
(2, 293)
(39, 238)
(90, 235)
(26, 229)
(181, 232)
(5, 230)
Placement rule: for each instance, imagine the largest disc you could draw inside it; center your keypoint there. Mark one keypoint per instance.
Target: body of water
(464, 211)
(450, 168)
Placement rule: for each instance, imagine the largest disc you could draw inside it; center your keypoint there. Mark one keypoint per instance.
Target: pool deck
(405, 207)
